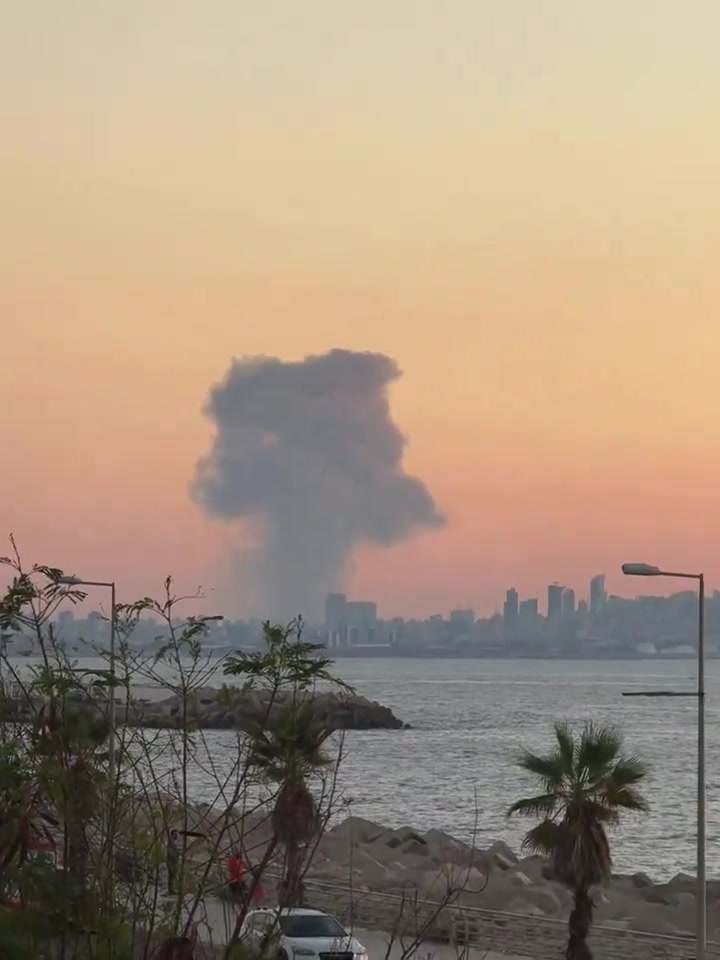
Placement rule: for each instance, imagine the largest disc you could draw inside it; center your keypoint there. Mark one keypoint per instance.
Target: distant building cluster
(352, 627)
(598, 626)
(351, 623)
(521, 617)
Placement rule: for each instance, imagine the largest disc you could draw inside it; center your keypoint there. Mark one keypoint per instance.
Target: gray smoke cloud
(308, 451)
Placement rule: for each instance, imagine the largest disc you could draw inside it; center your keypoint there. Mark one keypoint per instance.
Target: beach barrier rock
(436, 866)
(211, 709)
(446, 849)
(501, 855)
(640, 880)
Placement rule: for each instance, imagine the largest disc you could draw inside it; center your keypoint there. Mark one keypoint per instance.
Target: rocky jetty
(435, 866)
(212, 709)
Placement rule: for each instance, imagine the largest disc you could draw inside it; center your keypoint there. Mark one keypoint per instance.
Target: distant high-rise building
(462, 618)
(554, 601)
(335, 627)
(361, 619)
(335, 604)
(568, 603)
(361, 613)
(94, 627)
(511, 611)
(597, 593)
(529, 609)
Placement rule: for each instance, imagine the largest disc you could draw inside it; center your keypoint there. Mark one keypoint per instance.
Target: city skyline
(601, 627)
(519, 208)
(590, 601)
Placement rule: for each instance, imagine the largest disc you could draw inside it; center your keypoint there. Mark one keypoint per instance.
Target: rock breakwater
(213, 709)
(435, 866)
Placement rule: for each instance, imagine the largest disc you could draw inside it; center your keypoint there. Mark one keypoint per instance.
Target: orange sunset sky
(518, 201)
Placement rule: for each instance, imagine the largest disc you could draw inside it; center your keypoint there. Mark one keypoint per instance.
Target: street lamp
(79, 582)
(647, 570)
(5, 639)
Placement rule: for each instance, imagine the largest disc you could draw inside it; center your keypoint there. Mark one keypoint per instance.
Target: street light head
(70, 581)
(640, 570)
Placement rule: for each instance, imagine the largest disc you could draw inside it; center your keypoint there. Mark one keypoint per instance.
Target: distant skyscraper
(554, 601)
(511, 611)
(529, 609)
(335, 626)
(361, 613)
(568, 603)
(335, 604)
(462, 618)
(361, 619)
(597, 593)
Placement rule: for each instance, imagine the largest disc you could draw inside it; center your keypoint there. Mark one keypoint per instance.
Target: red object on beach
(235, 869)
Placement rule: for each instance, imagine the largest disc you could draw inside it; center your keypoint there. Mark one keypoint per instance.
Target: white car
(296, 932)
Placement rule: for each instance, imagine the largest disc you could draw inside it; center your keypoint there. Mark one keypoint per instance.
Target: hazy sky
(521, 207)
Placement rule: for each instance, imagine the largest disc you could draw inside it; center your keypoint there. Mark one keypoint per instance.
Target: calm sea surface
(470, 718)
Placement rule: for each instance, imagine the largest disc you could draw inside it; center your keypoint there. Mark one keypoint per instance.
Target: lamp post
(5, 639)
(647, 570)
(110, 584)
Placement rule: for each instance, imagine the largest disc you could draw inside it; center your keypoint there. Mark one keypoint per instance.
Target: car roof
(289, 912)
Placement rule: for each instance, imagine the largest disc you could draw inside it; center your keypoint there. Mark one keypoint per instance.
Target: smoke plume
(309, 450)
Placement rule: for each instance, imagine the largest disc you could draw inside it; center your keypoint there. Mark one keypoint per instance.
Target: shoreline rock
(433, 865)
(212, 709)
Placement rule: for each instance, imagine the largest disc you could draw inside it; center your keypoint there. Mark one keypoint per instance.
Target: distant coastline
(76, 652)
(519, 655)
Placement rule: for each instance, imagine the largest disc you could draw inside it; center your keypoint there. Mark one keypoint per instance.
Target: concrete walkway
(216, 921)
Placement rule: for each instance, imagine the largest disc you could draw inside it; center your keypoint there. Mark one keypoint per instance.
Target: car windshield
(310, 925)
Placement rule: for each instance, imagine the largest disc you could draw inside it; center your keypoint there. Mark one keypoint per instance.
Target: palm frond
(546, 838)
(598, 810)
(628, 771)
(290, 750)
(597, 752)
(544, 805)
(624, 798)
(551, 770)
(566, 743)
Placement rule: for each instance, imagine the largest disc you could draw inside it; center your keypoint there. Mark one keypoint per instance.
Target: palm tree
(289, 754)
(586, 783)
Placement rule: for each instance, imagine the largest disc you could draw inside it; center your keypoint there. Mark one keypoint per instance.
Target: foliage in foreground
(83, 850)
(586, 783)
